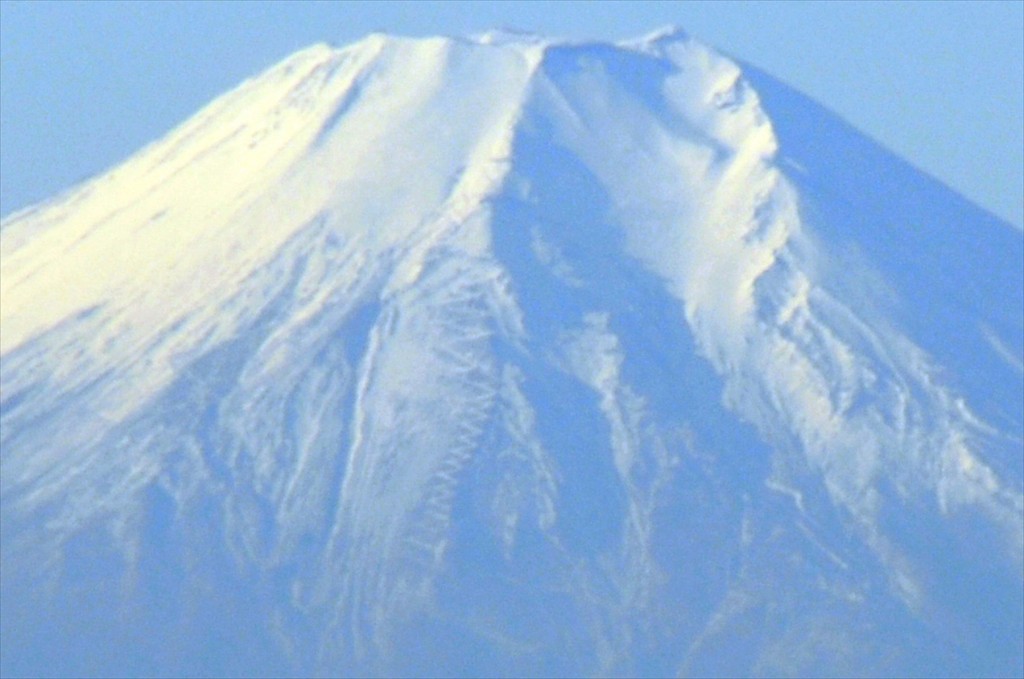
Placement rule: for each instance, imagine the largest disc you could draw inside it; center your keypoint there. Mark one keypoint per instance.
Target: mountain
(509, 356)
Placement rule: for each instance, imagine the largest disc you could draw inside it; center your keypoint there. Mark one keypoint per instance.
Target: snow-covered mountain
(508, 356)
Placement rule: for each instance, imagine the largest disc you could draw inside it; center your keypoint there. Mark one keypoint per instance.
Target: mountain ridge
(501, 304)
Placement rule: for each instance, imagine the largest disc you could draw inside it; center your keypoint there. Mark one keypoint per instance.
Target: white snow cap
(369, 269)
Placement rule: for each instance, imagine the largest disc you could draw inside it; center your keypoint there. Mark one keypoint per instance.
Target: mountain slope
(500, 355)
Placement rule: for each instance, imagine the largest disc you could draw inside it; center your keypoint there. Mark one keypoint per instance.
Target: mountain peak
(508, 35)
(668, 33)
(508, 354)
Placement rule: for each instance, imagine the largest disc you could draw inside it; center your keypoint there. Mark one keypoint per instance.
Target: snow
(577, 347)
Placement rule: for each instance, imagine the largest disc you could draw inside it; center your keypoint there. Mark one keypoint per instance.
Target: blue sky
(82, 85)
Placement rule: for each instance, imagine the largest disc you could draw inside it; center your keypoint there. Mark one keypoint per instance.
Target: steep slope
(501, 355)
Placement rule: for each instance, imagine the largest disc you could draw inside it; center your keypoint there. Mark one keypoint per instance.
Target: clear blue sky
(82, 85)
